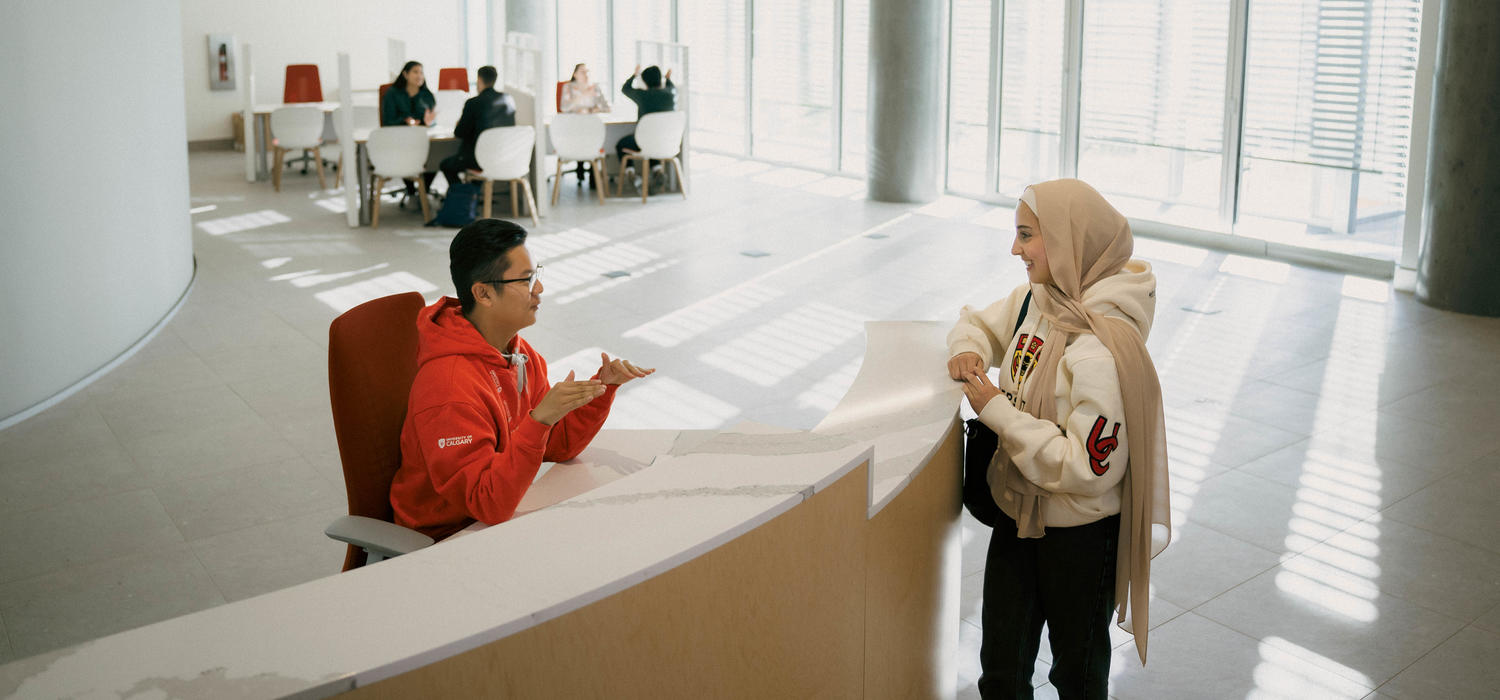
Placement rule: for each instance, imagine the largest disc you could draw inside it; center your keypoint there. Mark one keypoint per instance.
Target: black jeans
(453, 165)
(1065, 579)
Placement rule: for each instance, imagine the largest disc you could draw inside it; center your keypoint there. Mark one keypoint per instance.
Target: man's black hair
(487, 75)
(478, 253)
(651, 76)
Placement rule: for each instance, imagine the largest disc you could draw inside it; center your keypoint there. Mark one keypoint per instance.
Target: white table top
(636, 504)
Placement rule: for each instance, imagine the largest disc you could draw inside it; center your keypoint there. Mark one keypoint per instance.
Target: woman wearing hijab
(1081, 472)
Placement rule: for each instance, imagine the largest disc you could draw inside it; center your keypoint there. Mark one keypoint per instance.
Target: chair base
(375, 209)
(525, 186)
(597, 164)
(317, 157)
(646, 174)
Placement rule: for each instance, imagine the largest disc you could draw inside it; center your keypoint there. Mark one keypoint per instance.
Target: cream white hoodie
(1081, 461)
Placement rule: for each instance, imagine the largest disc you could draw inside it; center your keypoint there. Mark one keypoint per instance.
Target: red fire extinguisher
(223, 64)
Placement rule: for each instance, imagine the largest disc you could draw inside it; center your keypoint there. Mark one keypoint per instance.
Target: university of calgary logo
(1024, 356)
(455, 441)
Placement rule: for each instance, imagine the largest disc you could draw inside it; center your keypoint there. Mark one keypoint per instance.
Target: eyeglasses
(532, 280)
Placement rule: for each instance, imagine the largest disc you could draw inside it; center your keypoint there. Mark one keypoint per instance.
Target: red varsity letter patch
(1100, 447)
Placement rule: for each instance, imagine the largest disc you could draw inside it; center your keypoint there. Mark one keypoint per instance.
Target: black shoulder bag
(980, 445)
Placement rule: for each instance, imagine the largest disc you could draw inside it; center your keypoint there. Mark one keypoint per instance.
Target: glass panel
(1031, 92)
(476, 34)
(650, 20)
(794, 82)
(1328, 106)
(583, 37)
(969, 96)
(1152, 124)
(856, 84)
(715, 35)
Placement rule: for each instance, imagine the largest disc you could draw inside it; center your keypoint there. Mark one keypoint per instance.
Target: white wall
(281, 32)
(97, 242)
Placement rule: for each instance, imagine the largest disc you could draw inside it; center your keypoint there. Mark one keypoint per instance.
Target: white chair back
(398, 151)
(577, 136)
(450, 106)
(504, 152)
(299, 126)
(366, 119)
(659, 134)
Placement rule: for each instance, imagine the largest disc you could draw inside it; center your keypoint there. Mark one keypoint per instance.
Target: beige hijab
(1087, 240)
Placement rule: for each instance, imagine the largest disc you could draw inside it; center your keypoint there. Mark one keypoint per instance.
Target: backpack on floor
(460, 206)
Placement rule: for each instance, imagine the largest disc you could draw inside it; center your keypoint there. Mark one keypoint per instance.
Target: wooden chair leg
(645, 178)
(276, 168)
(514, 212)
(375, 203)
(599, 174)
(557, 182)
(620, 176)
(338, 170)
(489, 189)
(422, 190)
(681, 182)
(530, 201)
(318, 159)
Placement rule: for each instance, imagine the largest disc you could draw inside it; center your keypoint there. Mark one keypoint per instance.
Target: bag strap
(1025, 304)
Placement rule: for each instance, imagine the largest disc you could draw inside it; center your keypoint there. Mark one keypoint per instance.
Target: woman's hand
(618, 371)
(429, 116)
(962, 365)
(979, 390)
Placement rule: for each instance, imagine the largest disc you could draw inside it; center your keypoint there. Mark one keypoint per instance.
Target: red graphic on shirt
(1100, 447)
(1027, 346)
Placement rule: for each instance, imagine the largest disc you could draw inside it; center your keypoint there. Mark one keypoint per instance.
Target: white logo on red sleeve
(452, 441)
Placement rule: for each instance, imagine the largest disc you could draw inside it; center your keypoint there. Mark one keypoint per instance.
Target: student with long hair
(409, 102)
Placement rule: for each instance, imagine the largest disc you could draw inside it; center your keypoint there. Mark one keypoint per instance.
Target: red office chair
(559, 95)
(453, 79)
(302, 84)
(372, 360)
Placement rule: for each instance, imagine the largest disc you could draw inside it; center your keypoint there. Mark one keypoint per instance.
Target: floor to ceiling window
(1328, 105)
(1290, 124)
(717, 30)
(1152, 107)
(793, 74)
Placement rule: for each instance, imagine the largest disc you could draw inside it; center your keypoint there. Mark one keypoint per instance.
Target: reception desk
(753, 562)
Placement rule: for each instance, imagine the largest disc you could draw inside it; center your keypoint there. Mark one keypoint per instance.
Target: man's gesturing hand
(565, 396)
(619, 371)
(964, 364)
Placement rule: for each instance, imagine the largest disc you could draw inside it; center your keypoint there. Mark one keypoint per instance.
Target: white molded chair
(659, 135)
(398, 151)
(296, 128)
(366, 119)
(450, 106)
(504, 153)
(578, 138)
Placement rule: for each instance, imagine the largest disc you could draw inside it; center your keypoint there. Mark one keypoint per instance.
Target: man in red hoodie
(481, 418)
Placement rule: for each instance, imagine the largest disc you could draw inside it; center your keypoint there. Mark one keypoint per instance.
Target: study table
(750, 562)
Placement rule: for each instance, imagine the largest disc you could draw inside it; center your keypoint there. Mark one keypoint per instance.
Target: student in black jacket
(485, 110)
(657, 97)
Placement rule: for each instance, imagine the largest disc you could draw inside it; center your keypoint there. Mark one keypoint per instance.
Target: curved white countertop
(636, 504)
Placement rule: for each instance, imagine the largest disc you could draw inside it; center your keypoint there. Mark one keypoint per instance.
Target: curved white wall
(95, 238)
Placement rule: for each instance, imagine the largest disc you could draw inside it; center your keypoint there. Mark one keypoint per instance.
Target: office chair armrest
(377, 536)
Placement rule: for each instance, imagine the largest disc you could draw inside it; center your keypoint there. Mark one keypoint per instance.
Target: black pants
(453, 165)
(1065, 579)
(628, 143)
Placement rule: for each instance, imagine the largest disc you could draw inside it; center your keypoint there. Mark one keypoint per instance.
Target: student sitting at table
(409, 102)
(579, 96)
(657, 97)
(482, 417)
(484, 110)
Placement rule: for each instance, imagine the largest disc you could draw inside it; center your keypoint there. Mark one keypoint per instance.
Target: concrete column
(908, 62)
(97, 247)
(1459, 266)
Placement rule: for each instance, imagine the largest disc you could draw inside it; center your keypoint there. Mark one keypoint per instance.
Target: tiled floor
(1334, 466)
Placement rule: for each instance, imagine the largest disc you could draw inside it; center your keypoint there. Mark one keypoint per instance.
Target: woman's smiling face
(1028, 245)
